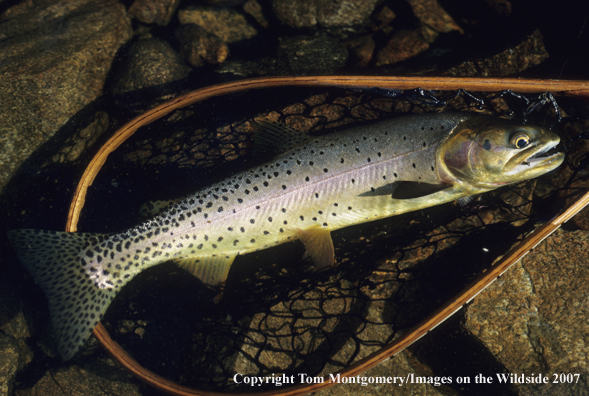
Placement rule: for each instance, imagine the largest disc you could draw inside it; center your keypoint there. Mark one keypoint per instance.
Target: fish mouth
(544, 157)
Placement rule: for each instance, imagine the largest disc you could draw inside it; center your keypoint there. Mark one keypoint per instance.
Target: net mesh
(276, 316)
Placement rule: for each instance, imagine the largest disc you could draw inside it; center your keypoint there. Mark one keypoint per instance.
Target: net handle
(573, 88)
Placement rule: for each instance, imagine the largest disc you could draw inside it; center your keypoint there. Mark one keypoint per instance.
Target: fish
(314, 186)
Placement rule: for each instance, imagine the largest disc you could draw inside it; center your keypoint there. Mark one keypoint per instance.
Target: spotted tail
(76, 302)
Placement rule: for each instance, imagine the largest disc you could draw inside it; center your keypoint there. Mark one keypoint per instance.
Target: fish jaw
(532, 163)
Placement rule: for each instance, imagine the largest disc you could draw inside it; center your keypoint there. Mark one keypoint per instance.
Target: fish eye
(520, 140)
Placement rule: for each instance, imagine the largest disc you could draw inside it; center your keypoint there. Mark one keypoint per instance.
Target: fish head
(487, 152)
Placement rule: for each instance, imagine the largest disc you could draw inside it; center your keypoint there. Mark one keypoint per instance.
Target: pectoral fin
(211, 270)
(406, 190)
(464, 201)
(319, 245)
(387, 189)
(411, 189)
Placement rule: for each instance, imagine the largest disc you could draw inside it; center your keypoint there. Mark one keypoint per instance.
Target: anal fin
(319, 245)
(212, 270)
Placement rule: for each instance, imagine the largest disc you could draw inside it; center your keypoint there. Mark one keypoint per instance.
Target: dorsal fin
(152, 208)
(275, 138)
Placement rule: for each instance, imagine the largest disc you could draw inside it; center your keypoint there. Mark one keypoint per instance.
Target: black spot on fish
(487, 144)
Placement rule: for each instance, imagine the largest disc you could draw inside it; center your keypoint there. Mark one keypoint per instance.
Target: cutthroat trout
(319, 185)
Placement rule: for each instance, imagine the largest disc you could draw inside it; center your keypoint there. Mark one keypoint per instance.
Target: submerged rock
(226, 23)
(51, 69)
(9, 359)
(199, 47)
(323, 13)
(147, 63)
(96, 379)
(159, 12)
(533, 319)
(320, 54)
(529, 52)
(405, 44)
(431, 13)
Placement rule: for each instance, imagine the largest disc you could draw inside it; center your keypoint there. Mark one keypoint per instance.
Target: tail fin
(76, 302)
